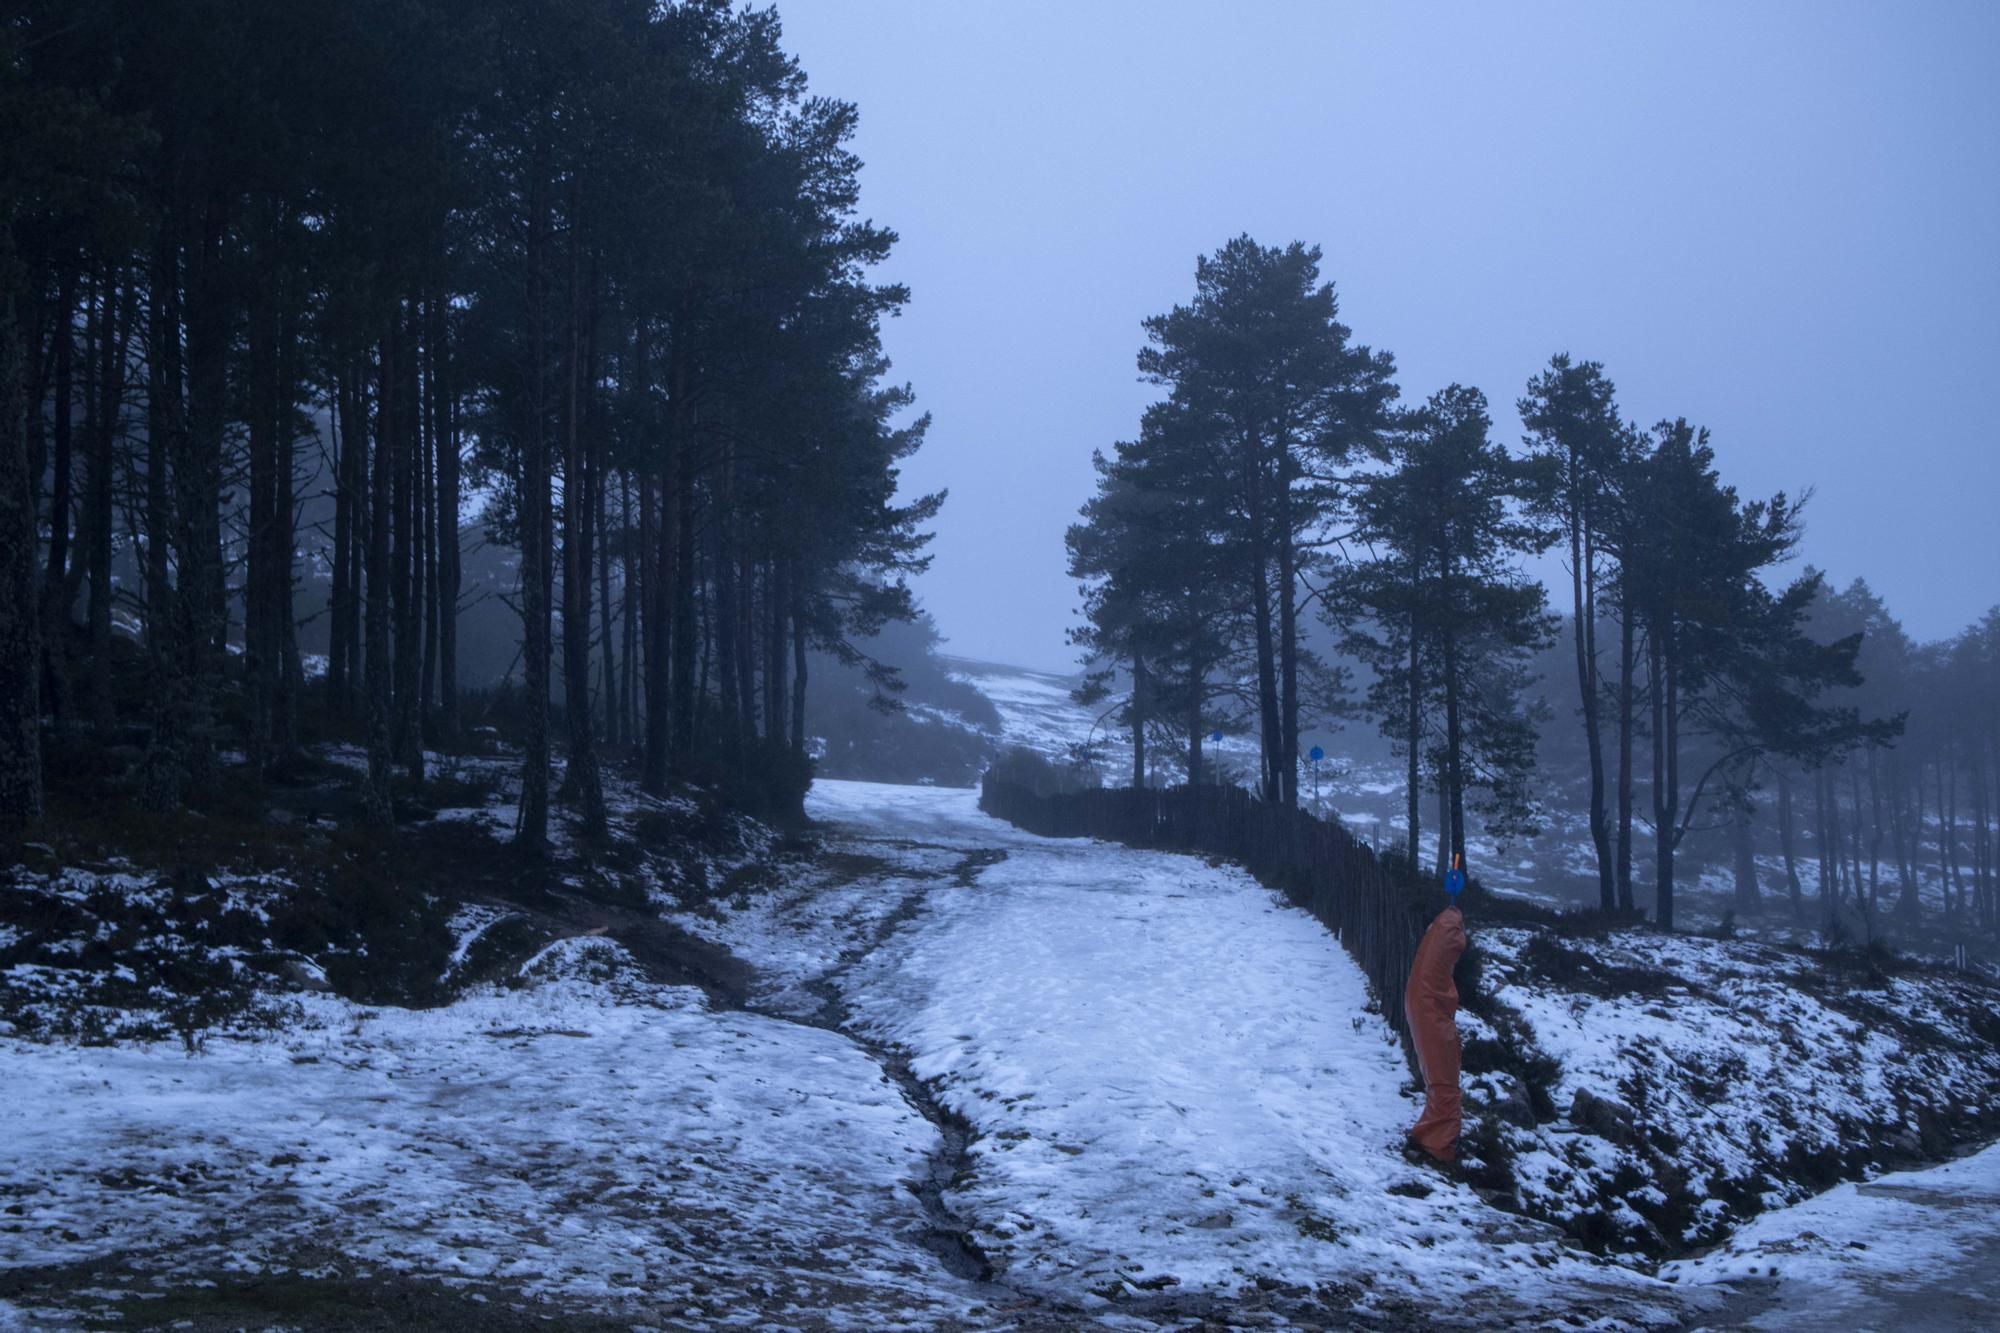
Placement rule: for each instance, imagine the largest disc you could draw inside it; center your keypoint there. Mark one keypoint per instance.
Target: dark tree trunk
(284, 535)
(259, 656)
(599, 508)
(1788, 844)
(746, 629)
(532, 829)
(444, 410)
(113, 335)
(723, 626)
(1628, 668)
(1749, 898)
(1288, 644)
(1138, 710)
(582, 777)
(20, 614)
(1269, 728)
(655, 509)
(164, 772)
(427, 523)
(677, 536)
(1583, 581)
(1194, 689)
(1454, 748)
(340, 425)
(55, 587)
(798, 673)
(1666, 775)
(1899, 810)
(629, 604)
(198, 490)
(1414, 729)
(405, 564)
(378, 801)
(777, 703)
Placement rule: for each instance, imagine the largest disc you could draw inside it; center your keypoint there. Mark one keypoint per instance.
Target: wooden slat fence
(1376, 915)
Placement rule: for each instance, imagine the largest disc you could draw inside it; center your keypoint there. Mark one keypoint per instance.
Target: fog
(1775, 220)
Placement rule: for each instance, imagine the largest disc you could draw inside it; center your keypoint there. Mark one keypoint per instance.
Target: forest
(1285, 545)
(335, 293)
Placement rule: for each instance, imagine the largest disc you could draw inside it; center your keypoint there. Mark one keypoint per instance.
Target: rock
(1603, 1117)
(305, 974)
(1510, 1102)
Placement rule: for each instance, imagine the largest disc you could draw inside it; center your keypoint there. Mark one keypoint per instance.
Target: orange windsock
(1430, 1006)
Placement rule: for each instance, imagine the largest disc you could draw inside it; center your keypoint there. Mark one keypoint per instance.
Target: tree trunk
(798, 672)
(1666, 776)
(406, 562)
(259, 656)
(1627, 669)
(113, 336)
(1138, 713)
(609, 642)
(677, 536)
(1583, 584)
(1454, 748)
(1288, 645)
(164, 771)
(377, 798)
(289, 677)
(531, 832)
(1787, 845)
(20, 615)
(444, 408)
(1742, 835)
(55, 588)
(198, 489)
(427, 525)
(285, 539)
(629, 603)
(777, 659)
(656, 541)
(582, 776)
(1415, 725)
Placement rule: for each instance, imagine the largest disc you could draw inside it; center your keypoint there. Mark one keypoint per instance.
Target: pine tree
(1260, 365)
(1728, 661)
(1449, 621)
(1573, 426)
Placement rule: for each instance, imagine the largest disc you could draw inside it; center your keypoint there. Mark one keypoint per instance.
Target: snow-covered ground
(1910, 1250)
(586, 1138)
(1700, 1082)
(972, 1078)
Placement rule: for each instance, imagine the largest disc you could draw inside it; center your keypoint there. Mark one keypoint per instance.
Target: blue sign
(1216, 736)
(1316, 754)
(1454, 883)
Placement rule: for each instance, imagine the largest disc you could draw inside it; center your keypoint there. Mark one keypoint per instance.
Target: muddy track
(674, 956)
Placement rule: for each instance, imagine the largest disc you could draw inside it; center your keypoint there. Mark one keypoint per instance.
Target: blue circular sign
(1316, 754)
(1454, 883)
(1216, 736)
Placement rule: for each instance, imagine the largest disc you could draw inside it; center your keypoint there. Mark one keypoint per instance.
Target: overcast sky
(1780, 221)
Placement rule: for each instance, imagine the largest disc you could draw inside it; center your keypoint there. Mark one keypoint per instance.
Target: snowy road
(1179, 1093)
